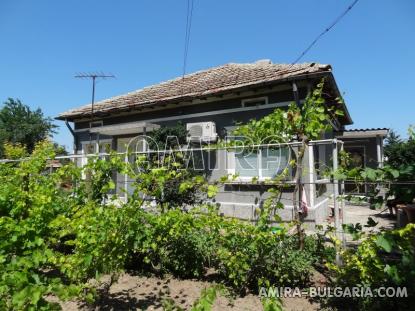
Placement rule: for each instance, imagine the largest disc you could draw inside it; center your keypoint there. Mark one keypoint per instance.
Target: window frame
(94, 124)
(231, 168)
(255, 99)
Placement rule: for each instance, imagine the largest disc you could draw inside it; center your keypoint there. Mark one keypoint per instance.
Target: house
(215, 99)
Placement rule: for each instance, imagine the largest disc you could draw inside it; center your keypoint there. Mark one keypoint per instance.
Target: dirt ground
(150, 293)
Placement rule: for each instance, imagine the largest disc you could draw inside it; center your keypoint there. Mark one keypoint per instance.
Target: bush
(244, 255)
(55, 239)
(385, 259)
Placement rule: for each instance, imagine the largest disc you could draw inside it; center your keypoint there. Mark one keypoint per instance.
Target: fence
(321, 158)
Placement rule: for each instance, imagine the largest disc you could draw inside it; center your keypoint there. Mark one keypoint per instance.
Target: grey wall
(240, 200)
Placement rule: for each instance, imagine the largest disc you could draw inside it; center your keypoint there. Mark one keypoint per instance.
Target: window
(93, 147)
(103, 146)
(255, 102)
(265, 163)
(96, 124)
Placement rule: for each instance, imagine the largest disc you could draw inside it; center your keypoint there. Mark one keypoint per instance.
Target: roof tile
(199, 84)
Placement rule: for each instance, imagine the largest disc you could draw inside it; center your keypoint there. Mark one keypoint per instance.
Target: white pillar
(126, 177)
(379, 155)
(335, 194)
(312, 174)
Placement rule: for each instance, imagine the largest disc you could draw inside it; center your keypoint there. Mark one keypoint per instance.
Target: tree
(399, 152)
(19, 124)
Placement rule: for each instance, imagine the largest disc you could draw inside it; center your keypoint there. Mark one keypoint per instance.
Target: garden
(63, 237)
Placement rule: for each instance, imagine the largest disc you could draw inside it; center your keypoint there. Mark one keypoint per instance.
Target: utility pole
(93, 77)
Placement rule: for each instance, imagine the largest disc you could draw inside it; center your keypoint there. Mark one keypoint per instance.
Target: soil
(132, 292)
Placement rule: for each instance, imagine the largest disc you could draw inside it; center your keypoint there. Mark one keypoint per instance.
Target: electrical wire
(326, 30)
(189, 18)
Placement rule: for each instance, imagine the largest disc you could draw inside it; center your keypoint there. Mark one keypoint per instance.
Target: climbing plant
(298, 123)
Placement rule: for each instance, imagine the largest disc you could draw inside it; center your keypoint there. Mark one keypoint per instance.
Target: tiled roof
(200, 84)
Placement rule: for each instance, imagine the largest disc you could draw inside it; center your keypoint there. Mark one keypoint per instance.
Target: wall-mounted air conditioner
(201, 132)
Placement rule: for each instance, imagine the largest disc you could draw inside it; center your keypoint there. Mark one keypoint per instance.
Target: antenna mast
(93, 77)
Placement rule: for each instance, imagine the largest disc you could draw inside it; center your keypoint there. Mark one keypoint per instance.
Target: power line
(325, 31)
(189, 17)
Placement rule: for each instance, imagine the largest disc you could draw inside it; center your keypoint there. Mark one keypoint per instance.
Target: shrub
(386, 259)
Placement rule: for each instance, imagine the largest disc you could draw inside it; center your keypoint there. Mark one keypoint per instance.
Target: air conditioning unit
(201, 132)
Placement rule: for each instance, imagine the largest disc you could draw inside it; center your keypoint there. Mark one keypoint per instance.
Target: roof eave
(75, 116)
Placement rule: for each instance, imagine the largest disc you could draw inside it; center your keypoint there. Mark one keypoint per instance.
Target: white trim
(248, 204)
(238, 203)
(231, 168)
(87, 142)
(255, 99)
(208, 113)
(125, 128)
(322, 181)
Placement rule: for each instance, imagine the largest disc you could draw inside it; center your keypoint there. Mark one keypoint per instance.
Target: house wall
(236, 200)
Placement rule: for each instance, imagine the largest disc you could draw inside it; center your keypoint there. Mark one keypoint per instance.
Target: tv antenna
(93, 77)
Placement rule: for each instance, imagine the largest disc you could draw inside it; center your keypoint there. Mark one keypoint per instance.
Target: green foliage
(53, 239)
(244, 255)
(169, 183)
(208, 297)
(19, 124)
(175, 242)
(29, 203)
(301, 122)
(250, 256)
(397, 181)
(60, 229)
(272, 304)
(165, 137)
(399, 152)
(381, 260)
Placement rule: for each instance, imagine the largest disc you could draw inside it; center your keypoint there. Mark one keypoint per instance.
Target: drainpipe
(75, 138)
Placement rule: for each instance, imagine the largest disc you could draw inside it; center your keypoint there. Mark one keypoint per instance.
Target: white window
(263, 163)
(103, 146)
(91, 147)
(255, 102)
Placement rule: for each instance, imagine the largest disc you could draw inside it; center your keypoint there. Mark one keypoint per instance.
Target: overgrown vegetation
(60, 230)
(55, 237)
(381, 260)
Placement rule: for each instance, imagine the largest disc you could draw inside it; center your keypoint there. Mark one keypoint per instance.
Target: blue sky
(45, 43)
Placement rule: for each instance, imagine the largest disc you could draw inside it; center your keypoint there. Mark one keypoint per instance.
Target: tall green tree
(400, 151)
(20, 124)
